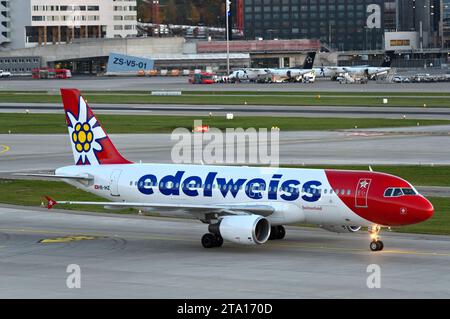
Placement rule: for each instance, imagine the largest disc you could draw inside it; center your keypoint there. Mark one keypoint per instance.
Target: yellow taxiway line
(5, 149)
(70, 237)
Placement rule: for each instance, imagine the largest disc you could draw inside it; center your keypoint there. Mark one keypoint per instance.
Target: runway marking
(270, 244)
(52, 232)
(66, 239)
(392, 251)
(6, 148)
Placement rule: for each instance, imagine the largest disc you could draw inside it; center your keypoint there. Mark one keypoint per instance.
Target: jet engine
(243, 229)
(341, 229)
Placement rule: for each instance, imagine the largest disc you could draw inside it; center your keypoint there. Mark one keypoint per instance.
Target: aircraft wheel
(281, 232)
(373, 246)
(376, 245)
(273, 233)
(218, 241)
(380, 245)
(277, 232)
(208, 240)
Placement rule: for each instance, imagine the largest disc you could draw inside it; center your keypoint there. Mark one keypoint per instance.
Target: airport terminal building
(28, 23)
(341, 24)
(345, 25)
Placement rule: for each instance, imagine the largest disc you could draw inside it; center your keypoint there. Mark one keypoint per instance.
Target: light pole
(227, 15)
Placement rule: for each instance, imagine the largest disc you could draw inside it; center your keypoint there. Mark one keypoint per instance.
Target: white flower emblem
(85, 135)
(363, 184)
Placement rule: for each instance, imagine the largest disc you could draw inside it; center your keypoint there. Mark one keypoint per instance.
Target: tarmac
(129, 256)
(148, 257)
(181, 83)
(243, 110)
(414, 146)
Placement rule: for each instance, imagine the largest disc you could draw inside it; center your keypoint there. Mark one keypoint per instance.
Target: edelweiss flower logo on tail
(86, 134)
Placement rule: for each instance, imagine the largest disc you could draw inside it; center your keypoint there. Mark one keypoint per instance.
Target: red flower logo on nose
(403, 211)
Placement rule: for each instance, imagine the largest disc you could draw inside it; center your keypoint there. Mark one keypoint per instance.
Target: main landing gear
(277, 232)
(213, 238)
(210, 240)
(376, 244)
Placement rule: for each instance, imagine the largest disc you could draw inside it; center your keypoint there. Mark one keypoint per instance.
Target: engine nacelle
(341, 228)
(245, 229)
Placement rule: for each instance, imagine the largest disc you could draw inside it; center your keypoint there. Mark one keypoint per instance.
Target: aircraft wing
(84, 177)
(198, 211)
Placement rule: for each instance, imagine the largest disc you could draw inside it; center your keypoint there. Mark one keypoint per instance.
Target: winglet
(50, 202)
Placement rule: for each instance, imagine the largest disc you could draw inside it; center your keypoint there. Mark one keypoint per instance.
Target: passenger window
(342, 191)
(388, 192)
(349, 192)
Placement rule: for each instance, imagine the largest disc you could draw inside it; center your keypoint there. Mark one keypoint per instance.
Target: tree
(194, 14)
(170, 12)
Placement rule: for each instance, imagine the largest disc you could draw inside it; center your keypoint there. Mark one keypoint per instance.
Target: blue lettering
(207, 192)
(254, 188)
(255, 192)
(273, 186)
(231, 186)
(171, 184)
(314, 193)
(189, 183)
(291, 192)
(146, 183)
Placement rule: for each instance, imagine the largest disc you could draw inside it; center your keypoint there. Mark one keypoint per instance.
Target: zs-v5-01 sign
(126, 63)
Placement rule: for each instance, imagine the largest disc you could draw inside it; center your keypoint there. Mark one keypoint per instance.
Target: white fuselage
(352, 71)
(297, 75)
(298, 195)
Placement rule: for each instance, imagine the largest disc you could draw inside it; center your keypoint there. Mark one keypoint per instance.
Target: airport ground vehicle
(4, 74)
(401, 79)
(47, 73)
(244, 205)
(202, 78)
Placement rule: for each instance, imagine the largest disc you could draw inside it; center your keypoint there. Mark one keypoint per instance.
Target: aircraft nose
(426, 209)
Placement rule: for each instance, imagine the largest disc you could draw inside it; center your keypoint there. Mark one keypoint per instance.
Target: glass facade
(446, 23)
(339, 24)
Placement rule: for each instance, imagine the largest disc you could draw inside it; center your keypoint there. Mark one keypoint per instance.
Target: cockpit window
(397, 192)
(388, 192)
(409, 191)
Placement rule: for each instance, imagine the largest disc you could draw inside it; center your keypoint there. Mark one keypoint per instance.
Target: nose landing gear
(376, 244)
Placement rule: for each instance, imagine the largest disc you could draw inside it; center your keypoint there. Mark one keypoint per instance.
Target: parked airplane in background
(304, 74)
(249, 75)
(245, 205)
(364, 70)
(275, 74)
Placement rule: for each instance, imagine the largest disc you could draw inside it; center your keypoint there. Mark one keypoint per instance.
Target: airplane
(243, 205)
(305, 73)
(363, 70)
(275, 74)
(249, 75)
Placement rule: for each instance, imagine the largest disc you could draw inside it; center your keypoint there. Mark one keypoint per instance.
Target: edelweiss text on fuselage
(255, 188)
